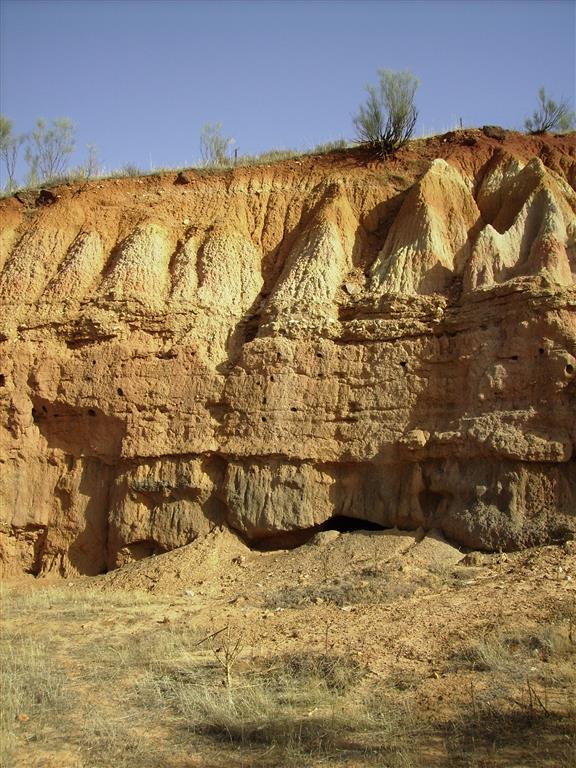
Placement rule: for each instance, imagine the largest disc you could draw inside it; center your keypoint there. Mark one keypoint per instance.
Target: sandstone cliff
(274, 346)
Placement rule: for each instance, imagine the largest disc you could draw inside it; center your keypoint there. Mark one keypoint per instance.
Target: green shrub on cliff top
(550, 116)
(388, 118)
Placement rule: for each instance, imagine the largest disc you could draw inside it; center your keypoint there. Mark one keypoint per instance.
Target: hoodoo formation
(274, 346)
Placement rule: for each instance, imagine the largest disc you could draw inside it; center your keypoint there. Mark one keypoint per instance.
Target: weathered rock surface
(275, 346)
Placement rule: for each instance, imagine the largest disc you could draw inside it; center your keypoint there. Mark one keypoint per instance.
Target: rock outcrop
(272, 347)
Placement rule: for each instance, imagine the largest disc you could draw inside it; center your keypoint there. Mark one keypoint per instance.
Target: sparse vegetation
(91, 168)
(48, 150)
(338, 672)
(524, 693)
(369, 586)
(33, 689)
(550, 116)
(129, 170)
(214, 147)
(297, 708)
(388, 118)
(330, 146)
(137, 680)
(375, 581)
(9, 149)
(545, 657)
(384, 123)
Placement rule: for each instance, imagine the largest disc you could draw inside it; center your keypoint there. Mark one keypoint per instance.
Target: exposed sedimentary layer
(272, 347)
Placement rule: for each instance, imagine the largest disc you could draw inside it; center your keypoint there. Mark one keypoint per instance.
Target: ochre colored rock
(275, 346)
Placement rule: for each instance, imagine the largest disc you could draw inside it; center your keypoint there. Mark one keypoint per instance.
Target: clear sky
(139, 78)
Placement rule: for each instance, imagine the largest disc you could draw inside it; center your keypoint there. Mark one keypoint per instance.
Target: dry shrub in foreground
(297, 707)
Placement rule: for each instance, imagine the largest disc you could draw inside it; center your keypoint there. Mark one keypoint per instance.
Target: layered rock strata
(275, 346)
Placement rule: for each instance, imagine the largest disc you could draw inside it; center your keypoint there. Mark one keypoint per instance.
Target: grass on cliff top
(133, 171)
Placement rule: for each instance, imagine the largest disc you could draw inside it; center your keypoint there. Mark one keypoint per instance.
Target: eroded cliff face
(275, 346)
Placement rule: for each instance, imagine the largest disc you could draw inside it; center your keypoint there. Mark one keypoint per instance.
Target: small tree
(550, 116)
(9, 148)
(48, 149)
(213, 146)
(91, 167)
(387, 119)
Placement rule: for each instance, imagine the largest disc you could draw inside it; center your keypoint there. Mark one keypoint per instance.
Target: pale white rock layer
(540, 239)
(428, 244)
(139, 269)
(79, 271)
(318, 263)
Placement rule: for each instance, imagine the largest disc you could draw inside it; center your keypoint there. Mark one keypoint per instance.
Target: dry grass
(545, 654)
(370, 586)
(68, 602)
(110, 739)
(496, 737)
(54, 700)
(294, 717)
(103, 701)
(522, 702)
(33, 691)
(295, 707)
(132, 171)
(337, 672)
(104, 677)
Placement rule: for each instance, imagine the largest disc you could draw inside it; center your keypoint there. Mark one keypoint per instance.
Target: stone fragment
(494, 132)
(46, 197)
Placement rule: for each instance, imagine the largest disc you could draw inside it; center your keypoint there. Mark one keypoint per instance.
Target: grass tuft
(33, 690)
(306, 714)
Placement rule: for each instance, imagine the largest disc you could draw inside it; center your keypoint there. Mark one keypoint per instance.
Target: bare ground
(356, 649)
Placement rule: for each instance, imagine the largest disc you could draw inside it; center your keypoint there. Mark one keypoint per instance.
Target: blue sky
(139, 78)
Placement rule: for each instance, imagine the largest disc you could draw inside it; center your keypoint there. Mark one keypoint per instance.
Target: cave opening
(294, 539)
(344, 524)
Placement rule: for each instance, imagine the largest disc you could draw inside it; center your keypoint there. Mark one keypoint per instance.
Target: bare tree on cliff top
(9, 147)
(48, 149)
(213, 146)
